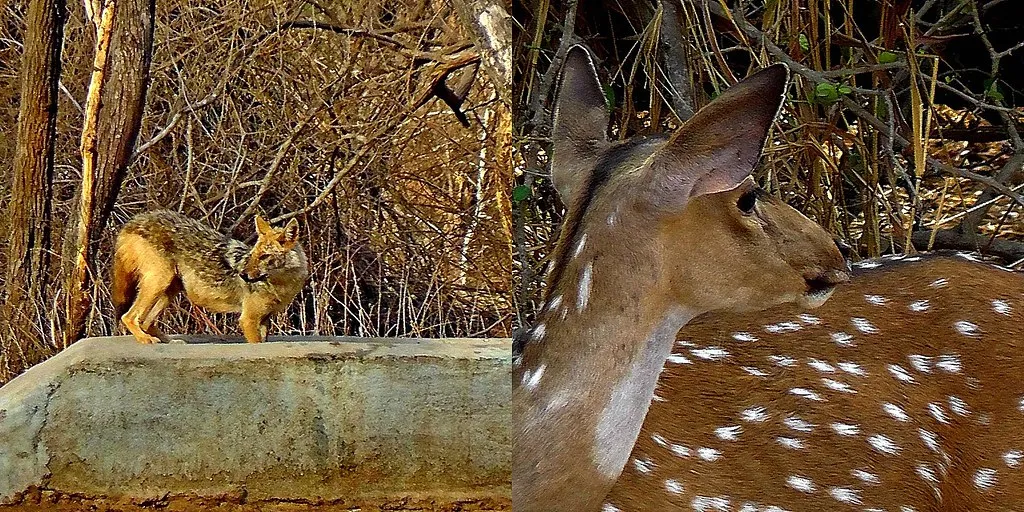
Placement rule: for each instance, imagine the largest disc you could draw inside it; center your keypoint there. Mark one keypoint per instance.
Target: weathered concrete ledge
(322, 420)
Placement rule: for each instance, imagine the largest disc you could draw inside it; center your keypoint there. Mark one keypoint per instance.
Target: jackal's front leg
(253, 326)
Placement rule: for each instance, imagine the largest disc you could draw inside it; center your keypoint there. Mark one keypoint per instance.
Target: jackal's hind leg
(151, 299)
(149, 323)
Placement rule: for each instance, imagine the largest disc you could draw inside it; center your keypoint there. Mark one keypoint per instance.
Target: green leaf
(845, 89)
(887, 57)
(609, 98)
(826, 92)
(805, 45)
(521, 193)
(993, 93)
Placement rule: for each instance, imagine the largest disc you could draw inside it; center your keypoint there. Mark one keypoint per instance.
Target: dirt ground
(49, 501)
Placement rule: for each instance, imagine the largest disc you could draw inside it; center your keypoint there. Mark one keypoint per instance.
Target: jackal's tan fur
(162, 253)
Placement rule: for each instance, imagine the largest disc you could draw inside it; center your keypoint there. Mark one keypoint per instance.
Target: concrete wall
(342, 419)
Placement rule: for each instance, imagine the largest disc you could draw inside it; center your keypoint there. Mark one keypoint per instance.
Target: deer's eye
(747, 202)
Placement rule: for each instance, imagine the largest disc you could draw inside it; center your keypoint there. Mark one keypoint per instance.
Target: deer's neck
(583, 386)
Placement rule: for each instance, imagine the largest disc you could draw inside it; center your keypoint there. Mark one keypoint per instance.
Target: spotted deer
(883, 397)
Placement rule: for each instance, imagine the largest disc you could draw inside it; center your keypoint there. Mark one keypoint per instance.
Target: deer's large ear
(717, 148)
(579, 133)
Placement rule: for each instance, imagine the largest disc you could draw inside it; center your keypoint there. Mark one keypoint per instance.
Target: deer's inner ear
(717, 149)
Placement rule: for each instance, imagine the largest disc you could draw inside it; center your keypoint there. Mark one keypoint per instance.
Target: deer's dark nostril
(844, 248)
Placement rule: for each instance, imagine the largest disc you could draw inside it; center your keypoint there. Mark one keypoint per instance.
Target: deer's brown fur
(926, 351)
(655, 236)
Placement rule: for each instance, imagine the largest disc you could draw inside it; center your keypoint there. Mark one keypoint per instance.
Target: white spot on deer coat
(800, 483)
(532, 380)
(580, 246)
(710, 353)
(920, 363)
(783, 361)
(883, 444)
(853, 369)
(806, 393)
(845, 495)
(930, 439)
(1002, 307)
(790, 442)
(709, 454)
(706, 503)
(1013, 458)
(866, 477)
(949, 363)
(754, 414)
(643, 465)
(985, 478)
(966, 328)
(729, 433)
(744, 336)
(900, 373)
(583, 290)
(809, 319)
(821, 366)
(936, 411)
(846, 429)
(864, 325)
(798, 424)
(838, 386)
(783, 327)
(958, 406)
(876, 300)
(895, 411)
(673, 486)
(919, 306)
(678, 359)
(679, 450)
(755, 371)
(842, 338)
(538, 333)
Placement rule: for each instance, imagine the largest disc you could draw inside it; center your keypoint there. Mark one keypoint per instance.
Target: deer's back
(906, 389)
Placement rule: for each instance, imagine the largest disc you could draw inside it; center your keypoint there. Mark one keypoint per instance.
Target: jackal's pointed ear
(717, 148)
(262, 226)
(291, 232)
(579, 133)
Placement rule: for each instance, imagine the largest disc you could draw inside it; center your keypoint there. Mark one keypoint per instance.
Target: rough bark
(32, 174)
(123, 87)
(491, 26)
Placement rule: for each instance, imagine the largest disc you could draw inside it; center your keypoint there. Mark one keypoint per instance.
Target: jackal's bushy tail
(124, 282)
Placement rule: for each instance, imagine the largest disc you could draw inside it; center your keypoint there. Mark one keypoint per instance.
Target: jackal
(161, 253)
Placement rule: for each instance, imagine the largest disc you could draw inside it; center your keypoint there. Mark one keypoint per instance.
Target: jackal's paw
(147, 339)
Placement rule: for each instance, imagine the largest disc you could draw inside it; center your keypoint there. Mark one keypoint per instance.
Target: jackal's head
(273, 252)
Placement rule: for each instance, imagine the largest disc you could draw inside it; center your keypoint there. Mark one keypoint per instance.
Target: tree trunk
(122, 86)
(31, 179)
(491, 27)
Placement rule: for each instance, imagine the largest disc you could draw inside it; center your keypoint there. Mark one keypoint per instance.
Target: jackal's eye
(747, 202)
